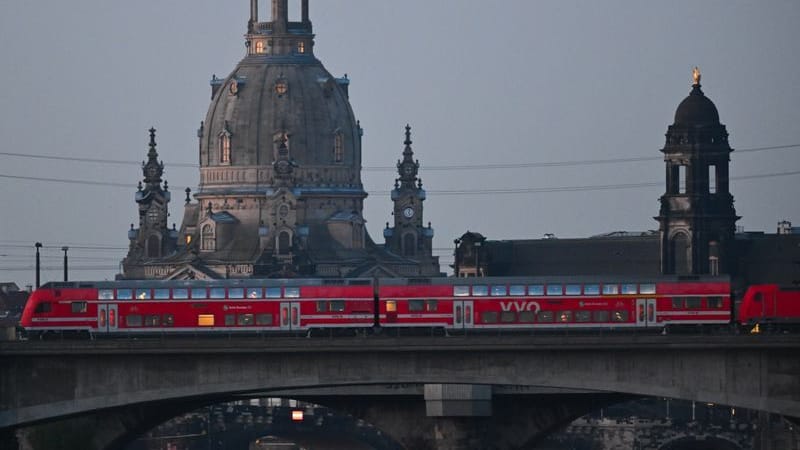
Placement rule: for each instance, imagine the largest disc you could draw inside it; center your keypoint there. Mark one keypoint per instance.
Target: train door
(107, 318)
(646, 312)
(290, 316)
(463, 313)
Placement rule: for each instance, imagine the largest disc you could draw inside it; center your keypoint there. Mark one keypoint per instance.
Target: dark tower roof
(696, 109)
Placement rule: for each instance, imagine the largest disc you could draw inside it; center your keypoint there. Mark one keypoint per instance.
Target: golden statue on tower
(696, 76)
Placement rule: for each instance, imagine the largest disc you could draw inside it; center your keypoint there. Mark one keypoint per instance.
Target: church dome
(696, 109)
(279, 115)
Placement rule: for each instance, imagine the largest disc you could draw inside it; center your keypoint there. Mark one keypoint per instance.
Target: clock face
(408, 212)
(408, 170)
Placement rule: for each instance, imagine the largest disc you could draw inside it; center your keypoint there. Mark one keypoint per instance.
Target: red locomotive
(770, 305)
(452, 305)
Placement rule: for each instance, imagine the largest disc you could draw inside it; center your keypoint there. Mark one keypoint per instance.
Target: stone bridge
(127, 384)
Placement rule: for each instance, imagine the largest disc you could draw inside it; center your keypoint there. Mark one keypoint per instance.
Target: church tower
(697, 218)
(409, 237)
(152, 239)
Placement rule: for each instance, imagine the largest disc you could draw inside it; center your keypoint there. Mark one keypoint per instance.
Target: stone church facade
(280, 191)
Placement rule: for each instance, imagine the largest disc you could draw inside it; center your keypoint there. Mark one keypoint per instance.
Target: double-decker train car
(554, 303)
(199, 307)
(450, 304)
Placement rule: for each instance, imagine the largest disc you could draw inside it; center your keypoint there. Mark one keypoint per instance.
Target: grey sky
(522, 82)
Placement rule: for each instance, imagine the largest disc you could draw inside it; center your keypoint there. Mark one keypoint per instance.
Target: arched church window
(225, 148)
(153, 247)
(301, 47)
(260, 47)
(338, 147)
(208, 241)
(681, 179)
(679, 251)
(284, 243)
(409, 244)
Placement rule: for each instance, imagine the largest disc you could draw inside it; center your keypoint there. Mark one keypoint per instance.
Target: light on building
(297, 415)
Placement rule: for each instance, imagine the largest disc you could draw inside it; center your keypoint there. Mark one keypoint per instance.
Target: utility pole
(38, 245)
(65, 263)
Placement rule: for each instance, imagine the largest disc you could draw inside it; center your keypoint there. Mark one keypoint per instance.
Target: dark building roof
(629, 255)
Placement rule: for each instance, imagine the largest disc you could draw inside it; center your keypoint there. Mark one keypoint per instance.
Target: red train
(452, 305)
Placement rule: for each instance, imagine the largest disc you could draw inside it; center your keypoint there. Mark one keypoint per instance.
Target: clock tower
(409, 237)
(152, 239)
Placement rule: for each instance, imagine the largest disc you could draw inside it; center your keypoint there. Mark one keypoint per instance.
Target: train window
(230, 320)
(508, 316)
(180, 293)
(526, 316)
(152, 321)
(254, 293)
(416, 305)
(480, 290)
(142, 294)
(124, 294)
(322, 306)
(273, 292)
(337, 306)
(629, 289)
(133, 320)
(555, 289)
(600, 316)
(161, 294)
(758, 297)
(714, 302)
(235, 293)
(499, 291)
(432, 305)
(169, 320)
(647, 288)
(677, 303)
(199, 293)
(591, 289)
(565, 316)
(246, 320)
(489, 317)
(217, 292)
(79, 307)
(292, 292)
(583, 316)
(573, 289)
(516, 289)
(205, 320)
(620, 316)
(458, 314)
(610, 289)
(535, 289)
(391, 306)
(105, 294)
(264, 319)
(544, 316)
(693, 303)
(461, 291)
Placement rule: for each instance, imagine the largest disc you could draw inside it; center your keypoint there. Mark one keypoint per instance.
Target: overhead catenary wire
(523, 165)
(541, 190)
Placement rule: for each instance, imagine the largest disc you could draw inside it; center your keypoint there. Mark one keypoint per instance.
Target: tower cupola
(279, 36)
